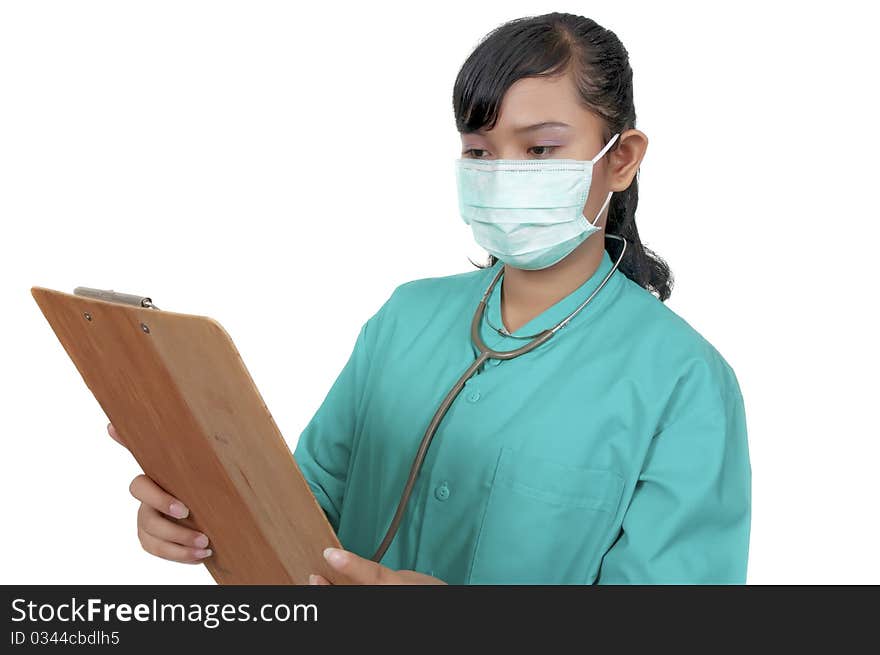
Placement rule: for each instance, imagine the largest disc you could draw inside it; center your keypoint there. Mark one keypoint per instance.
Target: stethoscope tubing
(485, 354)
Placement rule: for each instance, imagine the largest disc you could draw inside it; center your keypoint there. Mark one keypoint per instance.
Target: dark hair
(549, 45)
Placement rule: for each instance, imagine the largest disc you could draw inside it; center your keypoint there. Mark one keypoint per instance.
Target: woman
(615, 451)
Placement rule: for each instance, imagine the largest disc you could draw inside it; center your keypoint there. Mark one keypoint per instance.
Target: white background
(283, 166)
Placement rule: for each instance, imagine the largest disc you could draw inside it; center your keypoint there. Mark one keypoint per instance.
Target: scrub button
(474, 396)
(442, 491)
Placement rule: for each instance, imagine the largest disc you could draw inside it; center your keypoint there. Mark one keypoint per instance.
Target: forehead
(535, 100)
(536, 94)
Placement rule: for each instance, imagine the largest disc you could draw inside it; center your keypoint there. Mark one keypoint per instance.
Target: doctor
(616, 451)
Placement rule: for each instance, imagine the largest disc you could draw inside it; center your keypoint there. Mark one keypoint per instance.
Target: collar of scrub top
(555, 313)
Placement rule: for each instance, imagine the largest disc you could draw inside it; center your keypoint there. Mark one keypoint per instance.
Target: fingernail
(203, 552)
(335, 556)
(178, 510)
(313, 579)
(202, 540)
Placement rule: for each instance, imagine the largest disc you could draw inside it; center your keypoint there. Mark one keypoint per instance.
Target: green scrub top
(615, 453)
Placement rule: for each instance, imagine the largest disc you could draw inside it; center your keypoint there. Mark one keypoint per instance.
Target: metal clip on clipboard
(115, 296)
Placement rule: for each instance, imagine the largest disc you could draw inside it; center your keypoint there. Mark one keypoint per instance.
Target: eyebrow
(536, 126)
(525, 128)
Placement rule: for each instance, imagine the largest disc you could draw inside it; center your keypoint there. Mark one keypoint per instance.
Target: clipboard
(178, 392)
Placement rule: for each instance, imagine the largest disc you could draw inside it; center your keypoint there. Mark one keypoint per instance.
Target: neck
(525, 294)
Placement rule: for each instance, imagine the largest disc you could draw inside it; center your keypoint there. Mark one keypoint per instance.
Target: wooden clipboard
(177, 391)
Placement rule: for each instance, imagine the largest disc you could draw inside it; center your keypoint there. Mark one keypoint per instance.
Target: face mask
(528, 212)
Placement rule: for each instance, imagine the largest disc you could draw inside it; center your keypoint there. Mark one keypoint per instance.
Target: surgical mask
(528, 212)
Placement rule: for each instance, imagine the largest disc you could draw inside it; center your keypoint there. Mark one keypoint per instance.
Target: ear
(624, 159)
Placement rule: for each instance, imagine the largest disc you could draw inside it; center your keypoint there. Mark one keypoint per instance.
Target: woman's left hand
(367, 572)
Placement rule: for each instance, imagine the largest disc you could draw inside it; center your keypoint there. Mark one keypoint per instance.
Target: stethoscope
(485, 353)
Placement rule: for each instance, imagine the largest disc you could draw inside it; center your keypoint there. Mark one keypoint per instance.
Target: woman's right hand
(160, 535)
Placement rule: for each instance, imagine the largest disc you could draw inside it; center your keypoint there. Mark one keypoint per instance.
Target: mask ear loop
(604, 204)
(605, 149)
(593, 161)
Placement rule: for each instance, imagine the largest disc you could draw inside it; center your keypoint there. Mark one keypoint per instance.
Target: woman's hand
(367, 572)
(159, 535)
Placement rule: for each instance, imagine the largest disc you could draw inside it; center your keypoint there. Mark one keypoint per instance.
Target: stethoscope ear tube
(485, 353)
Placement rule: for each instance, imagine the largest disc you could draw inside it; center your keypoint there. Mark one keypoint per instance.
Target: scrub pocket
(544, 521)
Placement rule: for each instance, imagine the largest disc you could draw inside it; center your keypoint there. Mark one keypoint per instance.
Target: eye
(470, 152)
(546, 149)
